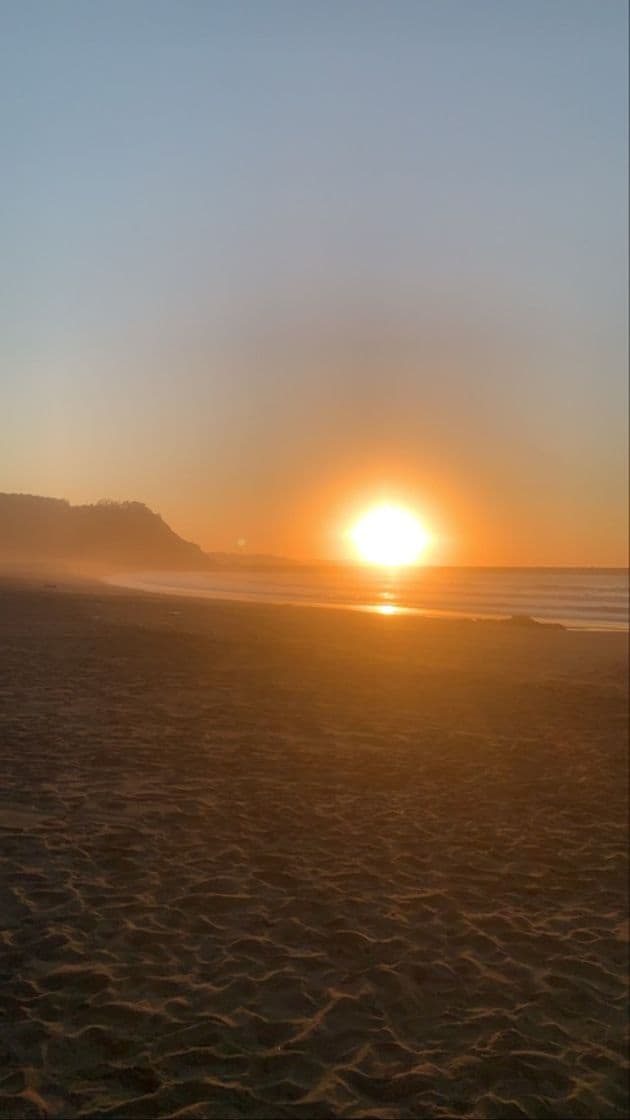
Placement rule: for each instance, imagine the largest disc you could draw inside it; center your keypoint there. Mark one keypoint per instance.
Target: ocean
(576, 597)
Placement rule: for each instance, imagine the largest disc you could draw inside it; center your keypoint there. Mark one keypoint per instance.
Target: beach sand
(281, 862)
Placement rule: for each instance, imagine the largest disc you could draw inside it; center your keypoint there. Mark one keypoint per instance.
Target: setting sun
(390, 536)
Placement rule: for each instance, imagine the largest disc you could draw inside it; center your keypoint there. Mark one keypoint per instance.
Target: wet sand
(281, 862)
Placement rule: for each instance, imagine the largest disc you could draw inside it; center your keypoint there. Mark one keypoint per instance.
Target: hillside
(110, 534)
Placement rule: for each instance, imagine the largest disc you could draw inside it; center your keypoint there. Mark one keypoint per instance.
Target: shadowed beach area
(263, 861)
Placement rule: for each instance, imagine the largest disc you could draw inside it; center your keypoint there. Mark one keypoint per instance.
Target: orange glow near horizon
(389, 536)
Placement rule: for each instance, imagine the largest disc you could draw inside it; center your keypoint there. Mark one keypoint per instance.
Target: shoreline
(130, 583)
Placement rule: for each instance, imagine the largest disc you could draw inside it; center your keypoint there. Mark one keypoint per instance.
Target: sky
(266, 263)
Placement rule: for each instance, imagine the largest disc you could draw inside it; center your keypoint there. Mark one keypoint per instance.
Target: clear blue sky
(261, 261)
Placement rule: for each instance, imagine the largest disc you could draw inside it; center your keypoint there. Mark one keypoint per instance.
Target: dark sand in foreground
(281, 862)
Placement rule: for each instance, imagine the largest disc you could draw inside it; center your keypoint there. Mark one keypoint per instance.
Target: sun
(389, 535)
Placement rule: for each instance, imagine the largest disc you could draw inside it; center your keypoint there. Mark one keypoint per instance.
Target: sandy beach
(269, 862)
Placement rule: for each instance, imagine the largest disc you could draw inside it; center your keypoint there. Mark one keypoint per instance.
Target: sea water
(576, 597)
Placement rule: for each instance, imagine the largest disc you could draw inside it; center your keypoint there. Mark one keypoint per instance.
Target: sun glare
(390, 536)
